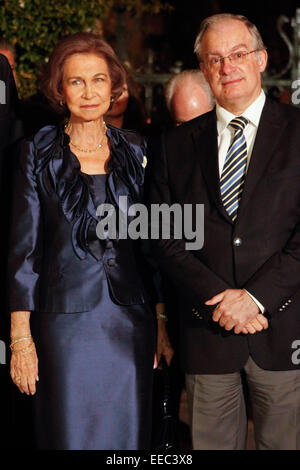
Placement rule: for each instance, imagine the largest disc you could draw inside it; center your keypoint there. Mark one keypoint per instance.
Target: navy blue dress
(95, 371)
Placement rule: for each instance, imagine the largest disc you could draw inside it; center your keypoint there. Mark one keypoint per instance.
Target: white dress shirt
(225, 136)
(225, 133)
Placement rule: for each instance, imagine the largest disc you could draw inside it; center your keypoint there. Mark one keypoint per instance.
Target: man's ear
(262, 59)
(203, 69)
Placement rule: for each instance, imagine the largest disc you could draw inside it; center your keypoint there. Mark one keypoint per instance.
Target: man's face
(189, 101)
(235, 85)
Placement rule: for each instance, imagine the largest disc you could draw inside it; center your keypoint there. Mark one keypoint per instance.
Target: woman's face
(86, 87)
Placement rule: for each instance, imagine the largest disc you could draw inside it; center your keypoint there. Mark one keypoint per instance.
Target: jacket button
(111, 262)
(237, 241)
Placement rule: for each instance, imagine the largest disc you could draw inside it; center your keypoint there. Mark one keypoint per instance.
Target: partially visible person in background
(34, 111)
(10, 131)
(188, 95)
(128, 111)
(8, 50)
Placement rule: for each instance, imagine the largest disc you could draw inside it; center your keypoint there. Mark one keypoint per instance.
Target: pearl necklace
(99, 146)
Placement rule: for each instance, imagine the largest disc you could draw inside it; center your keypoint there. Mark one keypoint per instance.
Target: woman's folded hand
(24, 366)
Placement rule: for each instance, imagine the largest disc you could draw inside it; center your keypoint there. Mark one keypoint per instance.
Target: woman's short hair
(214, 19)
(79, 43)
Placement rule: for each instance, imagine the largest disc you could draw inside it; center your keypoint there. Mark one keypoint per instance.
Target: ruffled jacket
(56, 259)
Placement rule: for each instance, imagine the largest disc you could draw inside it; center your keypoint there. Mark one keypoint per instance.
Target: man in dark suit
(10, 132)
(240, 293)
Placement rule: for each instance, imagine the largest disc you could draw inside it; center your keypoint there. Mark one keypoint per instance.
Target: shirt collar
(252, 113)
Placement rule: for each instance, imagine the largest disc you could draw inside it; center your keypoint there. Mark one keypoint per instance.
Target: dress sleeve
(156, 276)
(25, 237)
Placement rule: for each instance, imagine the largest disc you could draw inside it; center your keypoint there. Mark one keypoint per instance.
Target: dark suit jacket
(56, 259)
(8, 118)
(266, 262)
(10, 131)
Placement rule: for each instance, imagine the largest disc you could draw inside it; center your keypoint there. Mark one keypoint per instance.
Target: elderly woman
(82, 321)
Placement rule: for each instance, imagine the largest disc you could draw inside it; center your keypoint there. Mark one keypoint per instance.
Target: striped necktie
(234, 170)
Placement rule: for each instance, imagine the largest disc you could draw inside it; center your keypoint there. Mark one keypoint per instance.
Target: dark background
(181, 27)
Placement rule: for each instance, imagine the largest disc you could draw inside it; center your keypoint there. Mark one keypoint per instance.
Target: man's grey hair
(6, 45)
(194, 75)
(214, 19)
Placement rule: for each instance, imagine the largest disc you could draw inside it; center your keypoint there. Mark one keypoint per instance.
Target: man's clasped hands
(237, 310)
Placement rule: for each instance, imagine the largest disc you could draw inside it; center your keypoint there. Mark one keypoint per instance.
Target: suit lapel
(206, 150)
(268, 133)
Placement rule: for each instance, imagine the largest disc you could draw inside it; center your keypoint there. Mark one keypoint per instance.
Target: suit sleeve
(25, 238)
(278, 280)
(196, 282)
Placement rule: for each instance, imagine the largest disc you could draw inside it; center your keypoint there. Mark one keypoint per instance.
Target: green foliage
(141, 6)
(36, 26)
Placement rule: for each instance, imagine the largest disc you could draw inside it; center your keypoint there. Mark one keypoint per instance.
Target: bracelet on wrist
(161, 316)
(18, 340)
(25, 350)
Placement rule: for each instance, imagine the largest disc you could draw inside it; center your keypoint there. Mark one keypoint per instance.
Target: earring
(61, 103)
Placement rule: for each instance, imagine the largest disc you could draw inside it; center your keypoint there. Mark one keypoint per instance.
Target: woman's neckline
(93, 174)
(76, 158)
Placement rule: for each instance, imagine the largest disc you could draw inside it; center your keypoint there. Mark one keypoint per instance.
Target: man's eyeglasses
(236, 58)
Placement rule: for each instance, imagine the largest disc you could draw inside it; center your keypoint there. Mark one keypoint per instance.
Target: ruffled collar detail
(60, 172)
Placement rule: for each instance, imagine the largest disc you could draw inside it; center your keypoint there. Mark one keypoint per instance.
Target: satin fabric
(56, 258)
(91, 300)
(95, 372)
